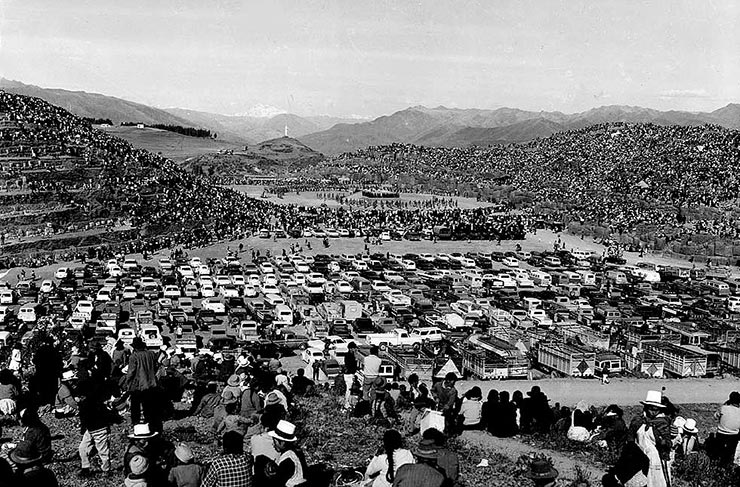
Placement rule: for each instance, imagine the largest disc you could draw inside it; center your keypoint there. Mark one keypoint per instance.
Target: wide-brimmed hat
(184, 453)
(613, 410)
(228, 397)
(142, 432)
(541, 469)
(690, 426)
(534, 390)
(69, 375)
(138, 464)
(25, 453)
(426, 449)
(653, 399)
(285, 431)
(233, 381)
(272, 399)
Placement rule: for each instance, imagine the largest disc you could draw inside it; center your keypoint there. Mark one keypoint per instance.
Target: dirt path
(514, 448)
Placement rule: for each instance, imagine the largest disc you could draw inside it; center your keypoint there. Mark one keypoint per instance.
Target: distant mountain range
(239, 129)
(448, 127)
(441, 126)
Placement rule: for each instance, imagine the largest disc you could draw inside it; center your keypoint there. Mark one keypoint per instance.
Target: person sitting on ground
(208, 402)
(542, 473)
(612, 431)
(689, 438)
(448, 462)
(506, 421)
(490, 412)
(233, 385)
(251, 401)
(302, 384)
(139, 445)
(423, 473)
(232, 421)
(471, 409)
(384, 465)
(29, 462)
(185, 473)
(220, 411)
(291, 465)
(263, 449)
(231, 468)
(9, 392)
(36, 433)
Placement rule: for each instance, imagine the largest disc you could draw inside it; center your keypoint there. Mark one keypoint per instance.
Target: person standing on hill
(446, 395)
(141, 379)
(371, 371)
(350, 369)
(728, 429)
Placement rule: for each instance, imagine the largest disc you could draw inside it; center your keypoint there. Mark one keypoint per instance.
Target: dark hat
(534, 390)
(25, 453)
(451, 376)
(541, 469)
(613, 410)
(427, 449)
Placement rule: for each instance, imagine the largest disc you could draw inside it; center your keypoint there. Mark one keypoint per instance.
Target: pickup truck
(396, 338)
(336, 343)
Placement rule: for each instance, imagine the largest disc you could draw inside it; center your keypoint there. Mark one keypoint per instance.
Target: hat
(690, 426)
(69, 375)
(138, 465)
(379, 381)
(541, 469)
(613, 410)
(233, 381)
(228, 397)
(653, 399)
(184, 453)
(534, 390)
(426, 449)
(25, 453)
(451, 376)
(284, 431)
(271, 399)
(142, 432)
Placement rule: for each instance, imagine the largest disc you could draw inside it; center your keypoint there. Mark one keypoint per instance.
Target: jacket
(142, 371)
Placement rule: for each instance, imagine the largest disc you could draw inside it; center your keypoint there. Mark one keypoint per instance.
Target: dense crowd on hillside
(155, 194)
(251, 405)
(619, 174)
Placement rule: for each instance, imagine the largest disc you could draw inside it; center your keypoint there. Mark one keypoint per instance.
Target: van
(427, 333)
(248, 331)
(27, 313)
(531, 303)
(617, 277)
(361, 284)
(588, 278)
(283, 315)
(581, 254)
(541, 278)
(718, 288)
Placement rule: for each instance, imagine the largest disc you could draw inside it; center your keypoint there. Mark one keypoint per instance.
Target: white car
(129, 292)
(380, 286)
(238, 280)
(299, 278)
(332, 233)
(397, 298)
(270, 279)
(151, 336)
(229, 291)
(165, 264)
(408, 265)
(250, 291)
(427, 257)
(266, 268)
(385, 236)
(104, 295)
(270, 289)
(254, 280)
(301, 266)
(61, 273)
(47, 286)
(129, 264)
(171, 291)
(207, 290)
(77, 322)
(214, 305)
(510, 262)
(186, 271)
(195, 262)
(316, 278)
(126, 335)
(202, 270)
(523, 281)
(334, 267)
(311, 355)
(222, 280)
(337, 344)
(7, 296)
(147, 281)
(307, 233)
(344, 287)
(85, 307)
(359, 265)
(114, 270)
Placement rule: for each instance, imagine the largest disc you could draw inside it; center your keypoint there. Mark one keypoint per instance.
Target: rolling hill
(447, 127)
(270, 157)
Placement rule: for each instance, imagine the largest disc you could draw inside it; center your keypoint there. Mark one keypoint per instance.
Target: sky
(368, 58)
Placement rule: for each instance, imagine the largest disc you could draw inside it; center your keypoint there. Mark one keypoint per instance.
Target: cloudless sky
(370, 58)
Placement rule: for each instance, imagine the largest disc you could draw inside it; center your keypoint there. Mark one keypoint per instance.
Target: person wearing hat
(653, 436)
(689, 437)
(448, 461)
(423, 473)
(65, 404)
(29, 463)
(612, 430)
(446, 395)
(141, 380)
(140, 445)
(227, 402)
(263, 449)
(383, 466)
(231, 420)
(186, 473)
(542, 473)
(251, 401)
(36, 433)
(138, 468)
(233, 384)
(233, 467)
(291, 465)
(728, 429)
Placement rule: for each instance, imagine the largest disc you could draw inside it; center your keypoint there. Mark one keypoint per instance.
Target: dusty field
(311, 198)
